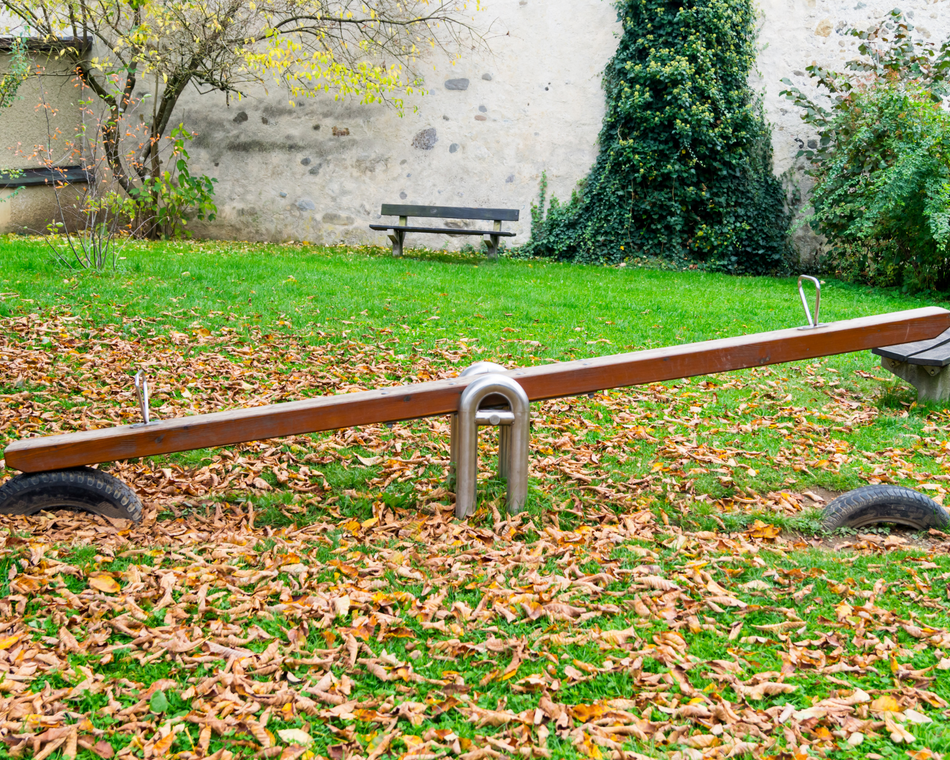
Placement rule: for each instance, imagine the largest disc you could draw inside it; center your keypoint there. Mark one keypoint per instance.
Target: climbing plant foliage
(882, 162)
(684, 171)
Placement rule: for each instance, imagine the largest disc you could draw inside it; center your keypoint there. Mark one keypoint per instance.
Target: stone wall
(45, 105)
(488, 127)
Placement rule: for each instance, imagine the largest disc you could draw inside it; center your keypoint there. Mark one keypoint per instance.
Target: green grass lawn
(667, 591)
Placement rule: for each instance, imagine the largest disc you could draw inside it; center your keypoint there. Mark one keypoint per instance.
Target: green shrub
(165, 204)
(19, 71)
(882, 166)
(684, 171)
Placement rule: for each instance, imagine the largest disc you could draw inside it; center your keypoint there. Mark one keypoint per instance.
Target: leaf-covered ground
(665, 594)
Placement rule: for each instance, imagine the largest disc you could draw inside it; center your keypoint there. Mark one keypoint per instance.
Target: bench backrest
(43, 175)
(452, 212)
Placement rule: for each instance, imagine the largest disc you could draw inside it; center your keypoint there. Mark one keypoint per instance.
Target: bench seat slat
(446, 230)
(442, 397)
(928, 353)
(43, 175)
(451, 212)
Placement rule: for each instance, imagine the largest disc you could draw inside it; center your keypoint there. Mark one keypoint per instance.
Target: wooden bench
(923, 364)
(43, 175)
(496, 215)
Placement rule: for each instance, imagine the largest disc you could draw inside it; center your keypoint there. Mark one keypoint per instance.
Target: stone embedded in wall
(338, 219)
(486, 77)
(509, 179)
(341, 131)
(241, 117)
(305, 204)
(456, 84)
(824, 28)
(305, 161)
(425, 139)
(315, 170)
(453, 147)
(403, 196)
(481, 117)
(265, 120)
(483, 109)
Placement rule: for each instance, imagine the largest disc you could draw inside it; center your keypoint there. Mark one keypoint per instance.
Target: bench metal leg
(493, 246)
(932, 383)
(516, 459)
(397, 237)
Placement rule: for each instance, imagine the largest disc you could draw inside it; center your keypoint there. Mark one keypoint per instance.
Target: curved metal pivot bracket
(504, 432)
(517, 455)
(812, 322)
(141, 390)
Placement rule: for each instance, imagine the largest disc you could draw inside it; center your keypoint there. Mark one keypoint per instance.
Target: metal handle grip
(141, 390)
(801, 293)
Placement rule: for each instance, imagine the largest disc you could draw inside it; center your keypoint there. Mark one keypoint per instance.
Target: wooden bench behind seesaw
(55, 473)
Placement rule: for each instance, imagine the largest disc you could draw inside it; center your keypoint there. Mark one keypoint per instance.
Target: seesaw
(55, 472)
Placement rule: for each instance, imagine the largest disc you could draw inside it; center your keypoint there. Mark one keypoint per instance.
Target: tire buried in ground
(81, 488)
(894, 505)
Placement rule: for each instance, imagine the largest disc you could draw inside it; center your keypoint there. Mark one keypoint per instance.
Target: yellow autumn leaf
(587, 713)
(294, 736)
(9, 641)
(161, 747)
(104, 583)
(885, 703)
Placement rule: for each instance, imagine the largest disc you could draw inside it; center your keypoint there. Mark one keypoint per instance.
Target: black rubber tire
(894, 505)
(81, 488)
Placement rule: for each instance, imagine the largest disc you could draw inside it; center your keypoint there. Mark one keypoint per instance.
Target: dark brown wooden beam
(441, 397)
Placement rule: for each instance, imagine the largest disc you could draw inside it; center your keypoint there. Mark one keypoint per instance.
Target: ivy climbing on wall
(684, 171)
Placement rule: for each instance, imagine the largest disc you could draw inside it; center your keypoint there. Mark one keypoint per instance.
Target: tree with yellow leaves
(356, 48)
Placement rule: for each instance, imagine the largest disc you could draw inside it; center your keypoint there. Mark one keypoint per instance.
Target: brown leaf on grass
(897, 732)
(657, 582)
(72, 742)
(742, 748)
(98, 747)
(727, 601)
(263, 736)
(768, 689)
(480, 754)
(51, 746)
(561, 611)
(484, 717)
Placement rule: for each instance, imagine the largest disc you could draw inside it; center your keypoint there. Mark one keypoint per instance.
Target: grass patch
(666, 591)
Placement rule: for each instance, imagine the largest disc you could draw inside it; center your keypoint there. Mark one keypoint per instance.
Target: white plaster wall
(532, 103)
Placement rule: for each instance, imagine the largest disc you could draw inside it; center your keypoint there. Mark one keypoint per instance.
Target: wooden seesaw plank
(441, 397)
